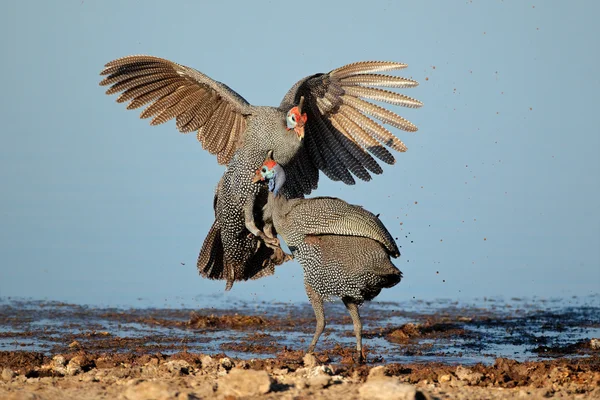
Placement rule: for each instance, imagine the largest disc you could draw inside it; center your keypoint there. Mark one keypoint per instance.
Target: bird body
(325, 123)
(344, 250)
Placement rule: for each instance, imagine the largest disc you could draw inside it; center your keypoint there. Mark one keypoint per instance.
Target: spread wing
(344, 129)
(170, 90)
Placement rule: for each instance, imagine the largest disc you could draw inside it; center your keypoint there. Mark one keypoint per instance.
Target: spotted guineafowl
(323, 123)
(344, 250)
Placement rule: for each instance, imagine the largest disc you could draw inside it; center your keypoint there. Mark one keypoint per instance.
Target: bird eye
(293, 118)
(264, 169)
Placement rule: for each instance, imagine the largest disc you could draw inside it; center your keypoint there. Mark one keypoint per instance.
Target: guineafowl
(344, 249)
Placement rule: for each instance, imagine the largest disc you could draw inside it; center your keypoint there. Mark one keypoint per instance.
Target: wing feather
(344, 128)
(172, 90)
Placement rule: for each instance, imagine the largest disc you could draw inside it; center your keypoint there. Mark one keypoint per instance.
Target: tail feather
(210, 260)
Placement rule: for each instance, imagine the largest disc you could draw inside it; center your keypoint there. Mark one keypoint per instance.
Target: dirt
(420, 350)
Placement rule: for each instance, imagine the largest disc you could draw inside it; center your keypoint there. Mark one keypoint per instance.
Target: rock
(150, 390)
(208, 362)
(595, 344)
(242, 383)
(310, 360)
(74, 344)
(281, 371)
(59, 361)
(376, 372)
(445, 378)
(226, 363)
(74, 366)
(389, 388)
(319, 382)
(7, 374)
(465, 374)
(176, 367)
(320, 370)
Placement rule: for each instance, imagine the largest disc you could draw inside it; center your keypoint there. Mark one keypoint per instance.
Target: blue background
(497, 195)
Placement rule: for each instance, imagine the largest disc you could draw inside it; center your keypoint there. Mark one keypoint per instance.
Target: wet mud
(491, 349)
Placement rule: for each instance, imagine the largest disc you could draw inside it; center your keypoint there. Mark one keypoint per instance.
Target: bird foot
(358, 357)
(279, 256)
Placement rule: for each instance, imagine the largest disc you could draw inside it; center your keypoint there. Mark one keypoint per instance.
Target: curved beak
(257, 177)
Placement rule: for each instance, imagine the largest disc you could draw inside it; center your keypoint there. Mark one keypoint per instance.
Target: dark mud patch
(422, 332)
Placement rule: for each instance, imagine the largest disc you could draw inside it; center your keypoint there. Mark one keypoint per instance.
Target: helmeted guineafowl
(344, 249)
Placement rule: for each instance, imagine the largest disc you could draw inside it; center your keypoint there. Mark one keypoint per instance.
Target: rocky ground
(78, 375)
(54, 350)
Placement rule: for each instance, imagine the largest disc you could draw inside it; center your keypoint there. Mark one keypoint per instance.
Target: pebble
(376, 372)
(389, 388)
(310, 360)
(595, 344)
(177, 367)
(242, 382)
(207, 362)
(465, 374)
(7, 374)
(319, 382)
(444, 378)
(150, 390)
(226, 363)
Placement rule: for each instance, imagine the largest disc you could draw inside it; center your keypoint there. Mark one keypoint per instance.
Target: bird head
(272, 173)
(296, 120)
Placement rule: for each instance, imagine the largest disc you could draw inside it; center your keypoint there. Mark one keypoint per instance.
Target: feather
(378, 80)
(186, 98)
(164, 102)
(364, 139)
(186, 116)
(373, 128)
(364, 67)
(127, 74)
(384, 95)
(137, 81)
(380, 113)
(145, 90)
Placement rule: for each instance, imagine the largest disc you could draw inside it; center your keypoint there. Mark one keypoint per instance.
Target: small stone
(226, 363)
(310, 360)
(595, 344)
(465, 374)
(208, 362)
(242, 383)
(150, 390)
(59, 361)
(7, 374)
(74, 366)
(376, 372)
(389, 388)
(176, 367)
(319, 382)
(281, 371)
(444, 378)
(74, 344)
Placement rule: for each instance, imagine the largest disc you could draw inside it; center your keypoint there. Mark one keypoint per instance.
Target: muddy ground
(491, 349)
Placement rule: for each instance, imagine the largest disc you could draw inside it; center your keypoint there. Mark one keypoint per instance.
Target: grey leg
(317, 304)
(353, 310)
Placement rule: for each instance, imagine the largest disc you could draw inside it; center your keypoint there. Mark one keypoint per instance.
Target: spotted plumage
(344, 249)
(333, 130)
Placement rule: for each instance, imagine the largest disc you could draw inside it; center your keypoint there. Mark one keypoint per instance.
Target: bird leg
(251, 225)
(317, 303)
(268, 230)
(354, 314)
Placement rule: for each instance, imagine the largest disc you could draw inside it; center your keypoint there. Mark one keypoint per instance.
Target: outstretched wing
(344, 130)
(170, 90)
